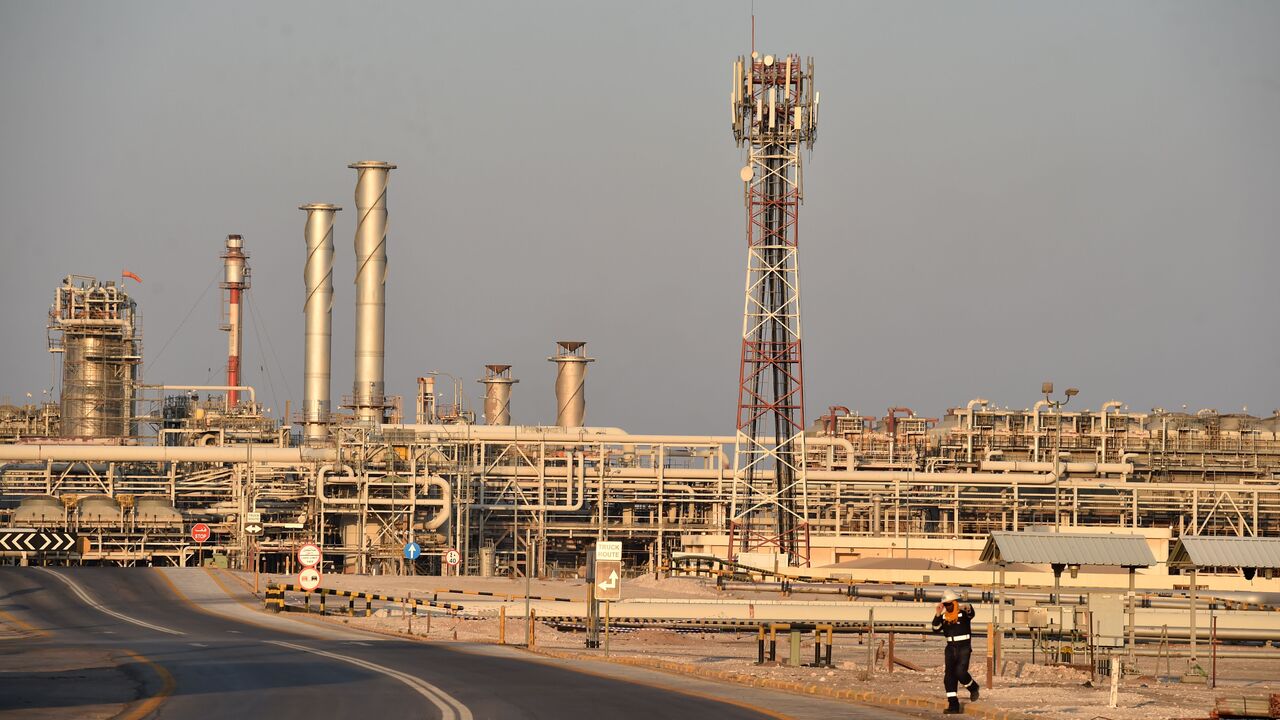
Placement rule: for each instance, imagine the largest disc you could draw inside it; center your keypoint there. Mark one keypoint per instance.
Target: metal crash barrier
(274, 600)
(823, 637)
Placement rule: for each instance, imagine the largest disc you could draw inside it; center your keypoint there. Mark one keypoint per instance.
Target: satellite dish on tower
(746, 173)
(768, 60)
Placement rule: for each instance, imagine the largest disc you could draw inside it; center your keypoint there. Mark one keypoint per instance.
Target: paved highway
(195, 655)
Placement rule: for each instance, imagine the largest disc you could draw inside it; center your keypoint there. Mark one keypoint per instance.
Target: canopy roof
(1197, 551)
(1130, 551)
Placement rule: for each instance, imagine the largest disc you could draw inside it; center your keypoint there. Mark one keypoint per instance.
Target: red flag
(127, 274)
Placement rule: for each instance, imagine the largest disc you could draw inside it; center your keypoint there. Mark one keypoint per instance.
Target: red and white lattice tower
(775, 113)
(235, 280)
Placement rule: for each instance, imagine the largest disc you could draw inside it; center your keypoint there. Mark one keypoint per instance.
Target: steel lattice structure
(774, 107)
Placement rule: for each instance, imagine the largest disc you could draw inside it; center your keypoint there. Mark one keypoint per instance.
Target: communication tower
(774, 110)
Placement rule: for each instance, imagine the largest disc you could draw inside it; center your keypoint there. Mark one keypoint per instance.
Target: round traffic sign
(309, 579)
(451, 558)
(309, 555)
(412, 551)
(200, 532)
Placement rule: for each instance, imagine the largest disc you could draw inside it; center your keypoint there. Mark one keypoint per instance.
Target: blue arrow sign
(412, 551)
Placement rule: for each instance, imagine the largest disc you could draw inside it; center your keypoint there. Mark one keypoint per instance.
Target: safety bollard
(351, 606)
(502, 625)
(322, 610)
(368, 606)
(760, 646)
(531, 636)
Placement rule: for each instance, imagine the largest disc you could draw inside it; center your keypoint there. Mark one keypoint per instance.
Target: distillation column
(497, 394)
(92, 324)
(235, 280)
(318, 317)
(368, 396)
(571, 382)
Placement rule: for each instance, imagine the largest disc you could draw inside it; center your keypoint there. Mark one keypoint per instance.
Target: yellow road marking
(145, 707)
(22, 625)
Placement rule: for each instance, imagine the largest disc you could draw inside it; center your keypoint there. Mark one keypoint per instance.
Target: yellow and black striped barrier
(275, 599)
(505, 596)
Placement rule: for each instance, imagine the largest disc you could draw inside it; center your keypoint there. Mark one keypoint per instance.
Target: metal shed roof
(1225, 551)
(1068, 549)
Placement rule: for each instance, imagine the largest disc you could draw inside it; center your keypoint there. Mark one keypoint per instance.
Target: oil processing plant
(132, 466)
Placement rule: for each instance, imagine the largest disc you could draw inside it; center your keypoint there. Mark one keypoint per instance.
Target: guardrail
(274, 600)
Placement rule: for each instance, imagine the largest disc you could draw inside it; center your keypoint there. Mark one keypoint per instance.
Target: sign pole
(606, 628)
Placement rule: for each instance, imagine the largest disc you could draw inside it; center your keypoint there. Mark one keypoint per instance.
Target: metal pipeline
(253, 396)
(368, 388)
(136, 453)
(317, 311)
(577, 467)
(445, 502)
(1067, 467)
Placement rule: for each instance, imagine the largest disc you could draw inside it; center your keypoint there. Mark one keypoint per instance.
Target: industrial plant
(132, 466)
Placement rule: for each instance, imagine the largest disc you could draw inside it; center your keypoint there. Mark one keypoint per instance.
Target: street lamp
(457, 386)
(1046, 389)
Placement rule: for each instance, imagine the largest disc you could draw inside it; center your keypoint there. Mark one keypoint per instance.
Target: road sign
(309, 555)
(200, 532)
(309, 579)
(38, 541)
(608, 578)
(452, 558)
(609, 550)
(253, 528)
(412, 551)
(253, 518)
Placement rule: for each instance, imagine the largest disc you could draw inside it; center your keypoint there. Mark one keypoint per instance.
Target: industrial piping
(368, 388)
(318, 316)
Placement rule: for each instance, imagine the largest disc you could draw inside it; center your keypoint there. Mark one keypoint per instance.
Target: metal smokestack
(497, 394)
(571, 382)
(318, 313)
(369, 399)
(235, 280)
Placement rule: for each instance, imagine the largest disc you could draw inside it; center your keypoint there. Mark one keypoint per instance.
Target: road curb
(977, 710)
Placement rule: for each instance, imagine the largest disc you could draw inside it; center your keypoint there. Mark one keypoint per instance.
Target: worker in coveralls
(952, 620)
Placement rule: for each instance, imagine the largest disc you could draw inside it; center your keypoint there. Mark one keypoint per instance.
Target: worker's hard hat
(949, 596)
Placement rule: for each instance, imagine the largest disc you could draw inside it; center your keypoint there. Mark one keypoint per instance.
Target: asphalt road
(204, 666)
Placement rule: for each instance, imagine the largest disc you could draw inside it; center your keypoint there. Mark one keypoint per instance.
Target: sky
(1001, 193)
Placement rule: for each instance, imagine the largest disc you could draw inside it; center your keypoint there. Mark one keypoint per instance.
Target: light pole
(1046, 389)
(457, 386)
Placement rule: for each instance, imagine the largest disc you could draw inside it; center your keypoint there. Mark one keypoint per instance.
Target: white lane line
(357, 642)
(450, 708)
(99, 607)
(234, 632)
(197, 645)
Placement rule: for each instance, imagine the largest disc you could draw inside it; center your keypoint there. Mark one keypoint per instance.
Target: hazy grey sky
(1000, 193)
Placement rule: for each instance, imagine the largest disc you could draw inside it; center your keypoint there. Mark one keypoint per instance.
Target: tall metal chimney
(571, 382)
(497, 394)
(318, 313)
(368, 390)
(235, 280)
